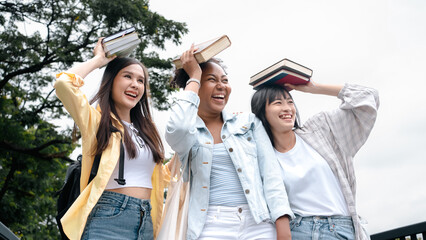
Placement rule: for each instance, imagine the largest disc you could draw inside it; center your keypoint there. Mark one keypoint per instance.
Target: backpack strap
(120, 180)
(95, 167)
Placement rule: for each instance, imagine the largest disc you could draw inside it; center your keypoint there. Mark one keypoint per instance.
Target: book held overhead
(207, 50)
(284, 71)
(122, 43)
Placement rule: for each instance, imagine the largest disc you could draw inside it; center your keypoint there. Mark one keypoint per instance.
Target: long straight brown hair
(140, 115)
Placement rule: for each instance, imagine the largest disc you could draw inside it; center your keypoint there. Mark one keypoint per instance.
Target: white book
(124, 50)
(121, 43)
(119, 34)
(108, 46)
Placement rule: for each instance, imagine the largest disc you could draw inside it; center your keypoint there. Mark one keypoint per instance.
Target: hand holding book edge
(97, 61)
(99, 52)
(308, 87)
(190, 64)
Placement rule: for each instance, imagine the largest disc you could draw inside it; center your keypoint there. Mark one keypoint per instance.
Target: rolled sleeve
(352, 123)
(67, 88)
(181, 128)
(75, 79)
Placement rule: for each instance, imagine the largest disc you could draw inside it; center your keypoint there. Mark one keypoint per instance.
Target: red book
(284, 71)
(280, 77)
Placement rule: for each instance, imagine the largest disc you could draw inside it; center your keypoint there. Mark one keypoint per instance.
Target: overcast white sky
(381, 44)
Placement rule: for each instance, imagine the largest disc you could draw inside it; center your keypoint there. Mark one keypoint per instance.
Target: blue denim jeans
(319, 228)
(118, 216)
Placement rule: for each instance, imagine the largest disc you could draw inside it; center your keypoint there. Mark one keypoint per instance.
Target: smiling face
(281, 114)
(128, 89)
(214, 90)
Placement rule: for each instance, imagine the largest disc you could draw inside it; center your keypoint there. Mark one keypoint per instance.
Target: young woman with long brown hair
(106, 208)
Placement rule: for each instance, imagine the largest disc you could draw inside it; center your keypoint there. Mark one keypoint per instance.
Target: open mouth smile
(131, 94)
(286, 116)
(219, 96)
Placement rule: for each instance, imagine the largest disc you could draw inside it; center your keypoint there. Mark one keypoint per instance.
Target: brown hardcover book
(207, 50)
(284, 64)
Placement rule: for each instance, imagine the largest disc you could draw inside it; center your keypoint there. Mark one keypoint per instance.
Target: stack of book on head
(207, 50)
(122, 43)
(284, 71)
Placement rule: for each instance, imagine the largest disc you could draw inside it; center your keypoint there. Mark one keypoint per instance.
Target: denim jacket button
(239, 170)
(249, 138)
(223, 136)
(231, 150)
(240, 210)
(247, 191)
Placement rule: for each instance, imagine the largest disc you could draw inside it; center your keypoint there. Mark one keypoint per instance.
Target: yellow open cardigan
(87, 119)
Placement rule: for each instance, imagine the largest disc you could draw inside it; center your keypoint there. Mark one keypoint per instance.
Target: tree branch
(31, 69)
(35, 152)
(8, 179)
(45, 103)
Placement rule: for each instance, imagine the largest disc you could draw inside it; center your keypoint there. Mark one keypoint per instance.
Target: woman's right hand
(100, 54)
(190, 64)
(98, 61)
(309, 87)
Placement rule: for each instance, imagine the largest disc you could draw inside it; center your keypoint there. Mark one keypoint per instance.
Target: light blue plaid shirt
(338, 135)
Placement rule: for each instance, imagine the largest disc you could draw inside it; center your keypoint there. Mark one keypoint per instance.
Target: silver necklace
(139, 140)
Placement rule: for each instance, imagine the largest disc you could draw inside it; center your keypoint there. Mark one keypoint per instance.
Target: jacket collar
(227, 117)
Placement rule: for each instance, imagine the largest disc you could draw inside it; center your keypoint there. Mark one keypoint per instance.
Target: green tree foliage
(39, 38)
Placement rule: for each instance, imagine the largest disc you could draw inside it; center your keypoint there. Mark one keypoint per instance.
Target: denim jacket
(250, 150)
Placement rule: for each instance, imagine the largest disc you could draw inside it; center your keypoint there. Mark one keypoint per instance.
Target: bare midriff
(136, 192)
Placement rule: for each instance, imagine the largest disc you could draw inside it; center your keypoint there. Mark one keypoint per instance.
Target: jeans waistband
(128, 200)
(330, 219)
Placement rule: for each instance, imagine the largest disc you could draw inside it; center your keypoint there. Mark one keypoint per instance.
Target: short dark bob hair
(266, 95)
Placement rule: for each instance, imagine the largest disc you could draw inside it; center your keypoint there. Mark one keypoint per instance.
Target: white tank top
(312, 188)
(137, 171)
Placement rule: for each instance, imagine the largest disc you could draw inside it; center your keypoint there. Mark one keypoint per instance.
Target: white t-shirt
(312, 188)
(137, 171)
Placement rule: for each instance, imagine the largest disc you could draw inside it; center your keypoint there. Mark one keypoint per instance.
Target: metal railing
(6, 234)
(411, 231)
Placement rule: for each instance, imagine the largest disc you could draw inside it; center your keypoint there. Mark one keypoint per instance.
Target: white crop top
(138, 170)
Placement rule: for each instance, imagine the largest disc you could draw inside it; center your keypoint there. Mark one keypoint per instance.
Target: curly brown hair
(180, 76)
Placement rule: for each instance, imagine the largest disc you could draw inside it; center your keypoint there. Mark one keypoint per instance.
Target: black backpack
(71, 188)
